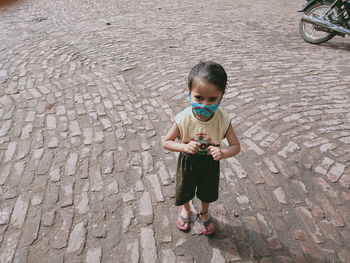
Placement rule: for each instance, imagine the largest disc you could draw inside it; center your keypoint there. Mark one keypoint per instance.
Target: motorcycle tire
(310, 38)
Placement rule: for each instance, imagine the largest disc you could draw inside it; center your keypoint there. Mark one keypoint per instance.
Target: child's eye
(198, 97)
(213, 99)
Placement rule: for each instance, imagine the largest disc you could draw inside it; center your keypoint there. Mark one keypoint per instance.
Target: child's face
(205, 93)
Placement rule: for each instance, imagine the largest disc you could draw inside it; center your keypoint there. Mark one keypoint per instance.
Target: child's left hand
(216, 153)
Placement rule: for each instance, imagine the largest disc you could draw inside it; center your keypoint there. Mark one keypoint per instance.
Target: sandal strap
(184, 219)
(206, 223)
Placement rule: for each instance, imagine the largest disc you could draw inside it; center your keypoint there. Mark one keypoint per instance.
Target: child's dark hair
(210, 72)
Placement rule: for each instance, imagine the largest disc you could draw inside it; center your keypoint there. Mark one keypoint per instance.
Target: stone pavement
(88, 88)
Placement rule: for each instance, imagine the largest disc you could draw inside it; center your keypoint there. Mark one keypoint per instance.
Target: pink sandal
(204, 225)
(185, 220)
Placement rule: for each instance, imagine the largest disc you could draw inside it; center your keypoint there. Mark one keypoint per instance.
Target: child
(200, 130)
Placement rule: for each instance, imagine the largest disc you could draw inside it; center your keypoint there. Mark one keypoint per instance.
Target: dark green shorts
(197, 175)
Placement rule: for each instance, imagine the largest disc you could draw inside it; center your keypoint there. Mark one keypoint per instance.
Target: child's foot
(207, 227)
(183, 221)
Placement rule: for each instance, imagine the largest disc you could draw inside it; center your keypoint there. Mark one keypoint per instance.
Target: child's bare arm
(232, 149)
(170, 144)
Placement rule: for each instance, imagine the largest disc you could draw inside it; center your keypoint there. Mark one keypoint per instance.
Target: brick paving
(88, 88)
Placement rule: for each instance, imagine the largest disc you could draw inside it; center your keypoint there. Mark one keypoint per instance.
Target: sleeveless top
(211, 132)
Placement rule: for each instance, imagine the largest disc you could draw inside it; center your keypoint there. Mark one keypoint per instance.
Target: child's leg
(205, 216)
(185, 190)
(185, 212)
(187, 208)
(205, 207)
(183, 220)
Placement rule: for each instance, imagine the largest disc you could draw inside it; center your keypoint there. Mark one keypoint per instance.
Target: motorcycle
(322, 20)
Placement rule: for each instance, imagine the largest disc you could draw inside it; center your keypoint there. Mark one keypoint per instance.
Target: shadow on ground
(237, 243)
(338, 45)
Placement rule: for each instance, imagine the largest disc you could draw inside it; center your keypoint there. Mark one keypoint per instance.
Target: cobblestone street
(88, 89)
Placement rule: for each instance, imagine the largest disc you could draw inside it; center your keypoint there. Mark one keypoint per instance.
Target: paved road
(88, 88)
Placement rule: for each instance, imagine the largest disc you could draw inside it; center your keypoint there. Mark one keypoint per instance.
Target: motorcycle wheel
(314, 34)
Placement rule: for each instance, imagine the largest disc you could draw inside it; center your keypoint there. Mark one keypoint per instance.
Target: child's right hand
(192, 147)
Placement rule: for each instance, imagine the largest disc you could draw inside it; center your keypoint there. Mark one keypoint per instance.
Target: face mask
(204, 110)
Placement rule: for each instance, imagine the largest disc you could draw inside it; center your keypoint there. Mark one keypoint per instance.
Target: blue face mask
(204, 110)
